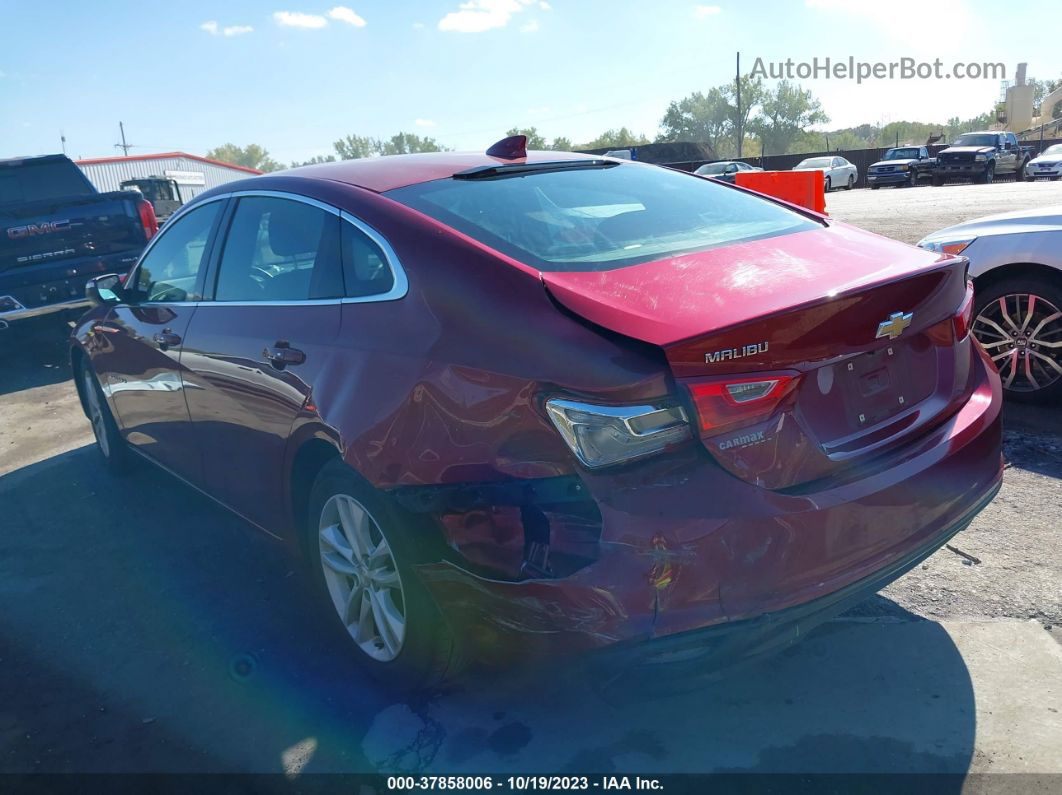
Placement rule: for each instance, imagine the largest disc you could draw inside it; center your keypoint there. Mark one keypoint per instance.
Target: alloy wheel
(362, 577)
(1022, 332)
(95, 411)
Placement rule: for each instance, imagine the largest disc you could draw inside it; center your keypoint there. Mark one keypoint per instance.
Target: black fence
(861, 158)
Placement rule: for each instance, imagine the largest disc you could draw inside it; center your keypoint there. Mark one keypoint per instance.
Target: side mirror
(104, 289)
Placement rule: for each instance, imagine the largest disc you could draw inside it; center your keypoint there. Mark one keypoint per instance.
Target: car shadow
(135, 610)
(35, 354)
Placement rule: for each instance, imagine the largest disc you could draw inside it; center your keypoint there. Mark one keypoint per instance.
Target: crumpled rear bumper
(689, 552)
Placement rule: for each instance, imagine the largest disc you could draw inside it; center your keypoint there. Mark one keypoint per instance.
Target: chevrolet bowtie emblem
(894, 326)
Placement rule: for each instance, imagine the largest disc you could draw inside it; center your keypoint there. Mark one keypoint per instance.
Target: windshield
(592, 219)
(972, 139)
(815, 162)
(711, 168)
(901, 154)
(1054, 150)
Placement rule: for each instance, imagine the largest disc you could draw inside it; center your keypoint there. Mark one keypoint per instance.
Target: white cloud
(344, 14)
(530, 27)
(297, 19)
(237, 30)
(477, 16)
(703, 12)
(544, 5)
(210, 27)
(424, 123)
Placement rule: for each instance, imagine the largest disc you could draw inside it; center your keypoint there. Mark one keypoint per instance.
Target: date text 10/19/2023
(523, 783)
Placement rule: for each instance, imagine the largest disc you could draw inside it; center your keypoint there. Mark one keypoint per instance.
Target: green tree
(785, 112)
(313, 161)
(616, 139)
(752, 96)
(404, 143)
(355, 146)
(701, 118)
(250, 156)
(535, 139)
(561, 145)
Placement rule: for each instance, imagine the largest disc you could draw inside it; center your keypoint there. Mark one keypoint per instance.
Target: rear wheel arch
(79, 359)
(311, 456)
(1016, 270)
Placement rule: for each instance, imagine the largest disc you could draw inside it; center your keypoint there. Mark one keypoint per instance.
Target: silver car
(837, 171)
(1016, 264)
(1047, 165)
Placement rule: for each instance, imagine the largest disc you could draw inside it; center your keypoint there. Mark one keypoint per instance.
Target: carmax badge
(895, 325)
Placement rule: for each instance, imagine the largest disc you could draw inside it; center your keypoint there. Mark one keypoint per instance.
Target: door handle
(282, 354)
(166, 339)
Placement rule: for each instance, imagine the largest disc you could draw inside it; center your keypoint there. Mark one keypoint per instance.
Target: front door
(253, 353)
(142, 338)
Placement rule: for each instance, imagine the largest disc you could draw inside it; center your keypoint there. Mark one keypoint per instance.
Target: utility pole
(737, 90)
(123, 145)
(62, 138)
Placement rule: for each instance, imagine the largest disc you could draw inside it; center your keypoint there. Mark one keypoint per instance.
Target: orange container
(806, 188)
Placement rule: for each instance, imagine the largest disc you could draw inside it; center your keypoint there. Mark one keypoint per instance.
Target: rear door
(255, 350)
(139, 360)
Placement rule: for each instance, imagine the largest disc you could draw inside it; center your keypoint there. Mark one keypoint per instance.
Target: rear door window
(280, 250)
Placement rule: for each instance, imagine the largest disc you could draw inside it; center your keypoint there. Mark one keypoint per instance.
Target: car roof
(397, 171)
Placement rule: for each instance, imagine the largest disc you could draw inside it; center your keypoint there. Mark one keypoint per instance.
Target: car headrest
(294, 229)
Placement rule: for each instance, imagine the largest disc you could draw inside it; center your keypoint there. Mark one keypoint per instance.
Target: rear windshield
(901, 154)
(30, 182)
(593, 219)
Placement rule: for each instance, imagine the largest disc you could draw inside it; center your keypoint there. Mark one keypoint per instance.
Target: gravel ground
(909, 214)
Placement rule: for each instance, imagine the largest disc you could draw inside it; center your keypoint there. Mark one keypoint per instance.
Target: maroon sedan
(522, 403)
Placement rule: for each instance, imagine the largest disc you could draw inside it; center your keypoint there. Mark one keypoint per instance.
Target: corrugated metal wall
(109, 176)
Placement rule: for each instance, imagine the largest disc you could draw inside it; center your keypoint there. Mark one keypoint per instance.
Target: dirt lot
(909, 214)
(142, 628)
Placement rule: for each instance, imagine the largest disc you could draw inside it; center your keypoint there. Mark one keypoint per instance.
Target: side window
(365, 268)
(170, 271)
(280, 250)
(837, 162)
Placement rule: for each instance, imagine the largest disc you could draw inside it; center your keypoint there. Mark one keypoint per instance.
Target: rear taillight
(728, 403)
(963, 320)
(147, 218)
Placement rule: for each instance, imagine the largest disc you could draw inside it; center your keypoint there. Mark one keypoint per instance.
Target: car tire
(989, 175)
(109, 442)
(988, 322)
(851, 181)
(1019, 175)
(826, 185)
(399, 636)
(938, 182)
(875, 187)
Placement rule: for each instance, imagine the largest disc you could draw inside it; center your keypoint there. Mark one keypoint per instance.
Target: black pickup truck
(57, 231)
(902, 165)
(980, 157)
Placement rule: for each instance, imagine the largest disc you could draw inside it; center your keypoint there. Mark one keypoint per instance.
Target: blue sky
(294, 75)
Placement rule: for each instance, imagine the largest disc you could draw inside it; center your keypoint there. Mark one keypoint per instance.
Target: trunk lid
(804, 309)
